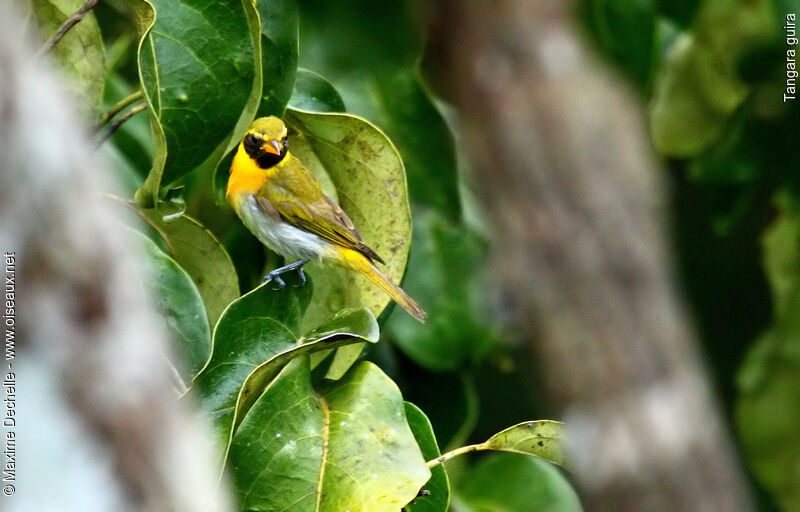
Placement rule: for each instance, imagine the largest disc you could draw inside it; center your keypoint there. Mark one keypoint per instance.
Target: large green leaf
(346, 327)
(279, 53)
(200, 68)
(514, 483)
(180, 303)
(435, 495)
(254, 328)
(460, 328)
(698, 86)
(344, 447)
(80, 54)
(369, 180)
(202, 256)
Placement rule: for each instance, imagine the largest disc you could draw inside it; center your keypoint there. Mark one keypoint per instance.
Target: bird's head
(266, 142)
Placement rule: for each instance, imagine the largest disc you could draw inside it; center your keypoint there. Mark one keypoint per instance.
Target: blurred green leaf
(781, 253)
(351, 36)
(256, 327)
(80, 54)
(768, 408)
(445, 274)
(375, 69)
(625, 31)
(279, 53)
(768, 405)
(698, 87)
(202, 256)
(435, 494)
(201, 76)
(344, 447)
(313, 93)
(369, 179)
(407, 112)
(514, 483)
(182, 306)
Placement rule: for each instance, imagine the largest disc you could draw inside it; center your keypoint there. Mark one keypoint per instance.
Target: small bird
(283, 205)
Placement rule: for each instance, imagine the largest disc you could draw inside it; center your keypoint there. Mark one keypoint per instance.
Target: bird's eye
(285, 142)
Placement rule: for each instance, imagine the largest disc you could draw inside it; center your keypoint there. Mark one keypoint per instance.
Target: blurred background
(606, 230)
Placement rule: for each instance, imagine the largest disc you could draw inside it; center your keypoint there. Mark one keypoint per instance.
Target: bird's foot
(275, 275)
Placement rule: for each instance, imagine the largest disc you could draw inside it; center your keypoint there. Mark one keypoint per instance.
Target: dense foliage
(301, 384)
(304, 385)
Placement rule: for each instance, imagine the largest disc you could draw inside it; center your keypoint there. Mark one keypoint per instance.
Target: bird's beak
(273, 147)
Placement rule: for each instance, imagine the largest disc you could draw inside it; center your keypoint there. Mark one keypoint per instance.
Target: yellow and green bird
(282, 203)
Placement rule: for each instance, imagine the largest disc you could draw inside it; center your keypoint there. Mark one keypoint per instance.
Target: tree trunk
(577, 206)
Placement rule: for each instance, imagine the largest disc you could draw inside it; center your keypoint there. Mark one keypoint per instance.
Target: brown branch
(118, 107)
(140, 107)
(576, 203)
(66, 27)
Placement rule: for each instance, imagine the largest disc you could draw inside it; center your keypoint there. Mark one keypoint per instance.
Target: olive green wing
(298, 198)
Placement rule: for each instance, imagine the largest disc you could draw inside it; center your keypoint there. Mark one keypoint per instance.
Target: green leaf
(540, 438)
(513, 483)
(313, 93)
(201, 75)
(543, 439)
(407, 111)
(179, 301)
(435, 494)
(202, 256)
(769, 378)
(344, 328)
(624, 30)
(781, 253)
(254, 328)
(279, 53)
(698, 87)
(460, 329)
(344, 447)
(766, 413)
(276, 453)
(369, 180)
(80, 54)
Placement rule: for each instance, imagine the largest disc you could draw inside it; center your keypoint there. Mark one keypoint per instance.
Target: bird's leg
(275, 275)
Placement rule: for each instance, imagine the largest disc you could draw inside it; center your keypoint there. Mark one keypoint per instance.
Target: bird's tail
(362, 265)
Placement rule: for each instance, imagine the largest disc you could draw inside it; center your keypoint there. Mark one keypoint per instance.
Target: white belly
(283, 238)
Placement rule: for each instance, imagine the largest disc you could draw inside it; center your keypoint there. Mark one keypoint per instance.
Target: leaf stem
(115, 126)
(455, 453)
(66, 26)
(119, 107)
